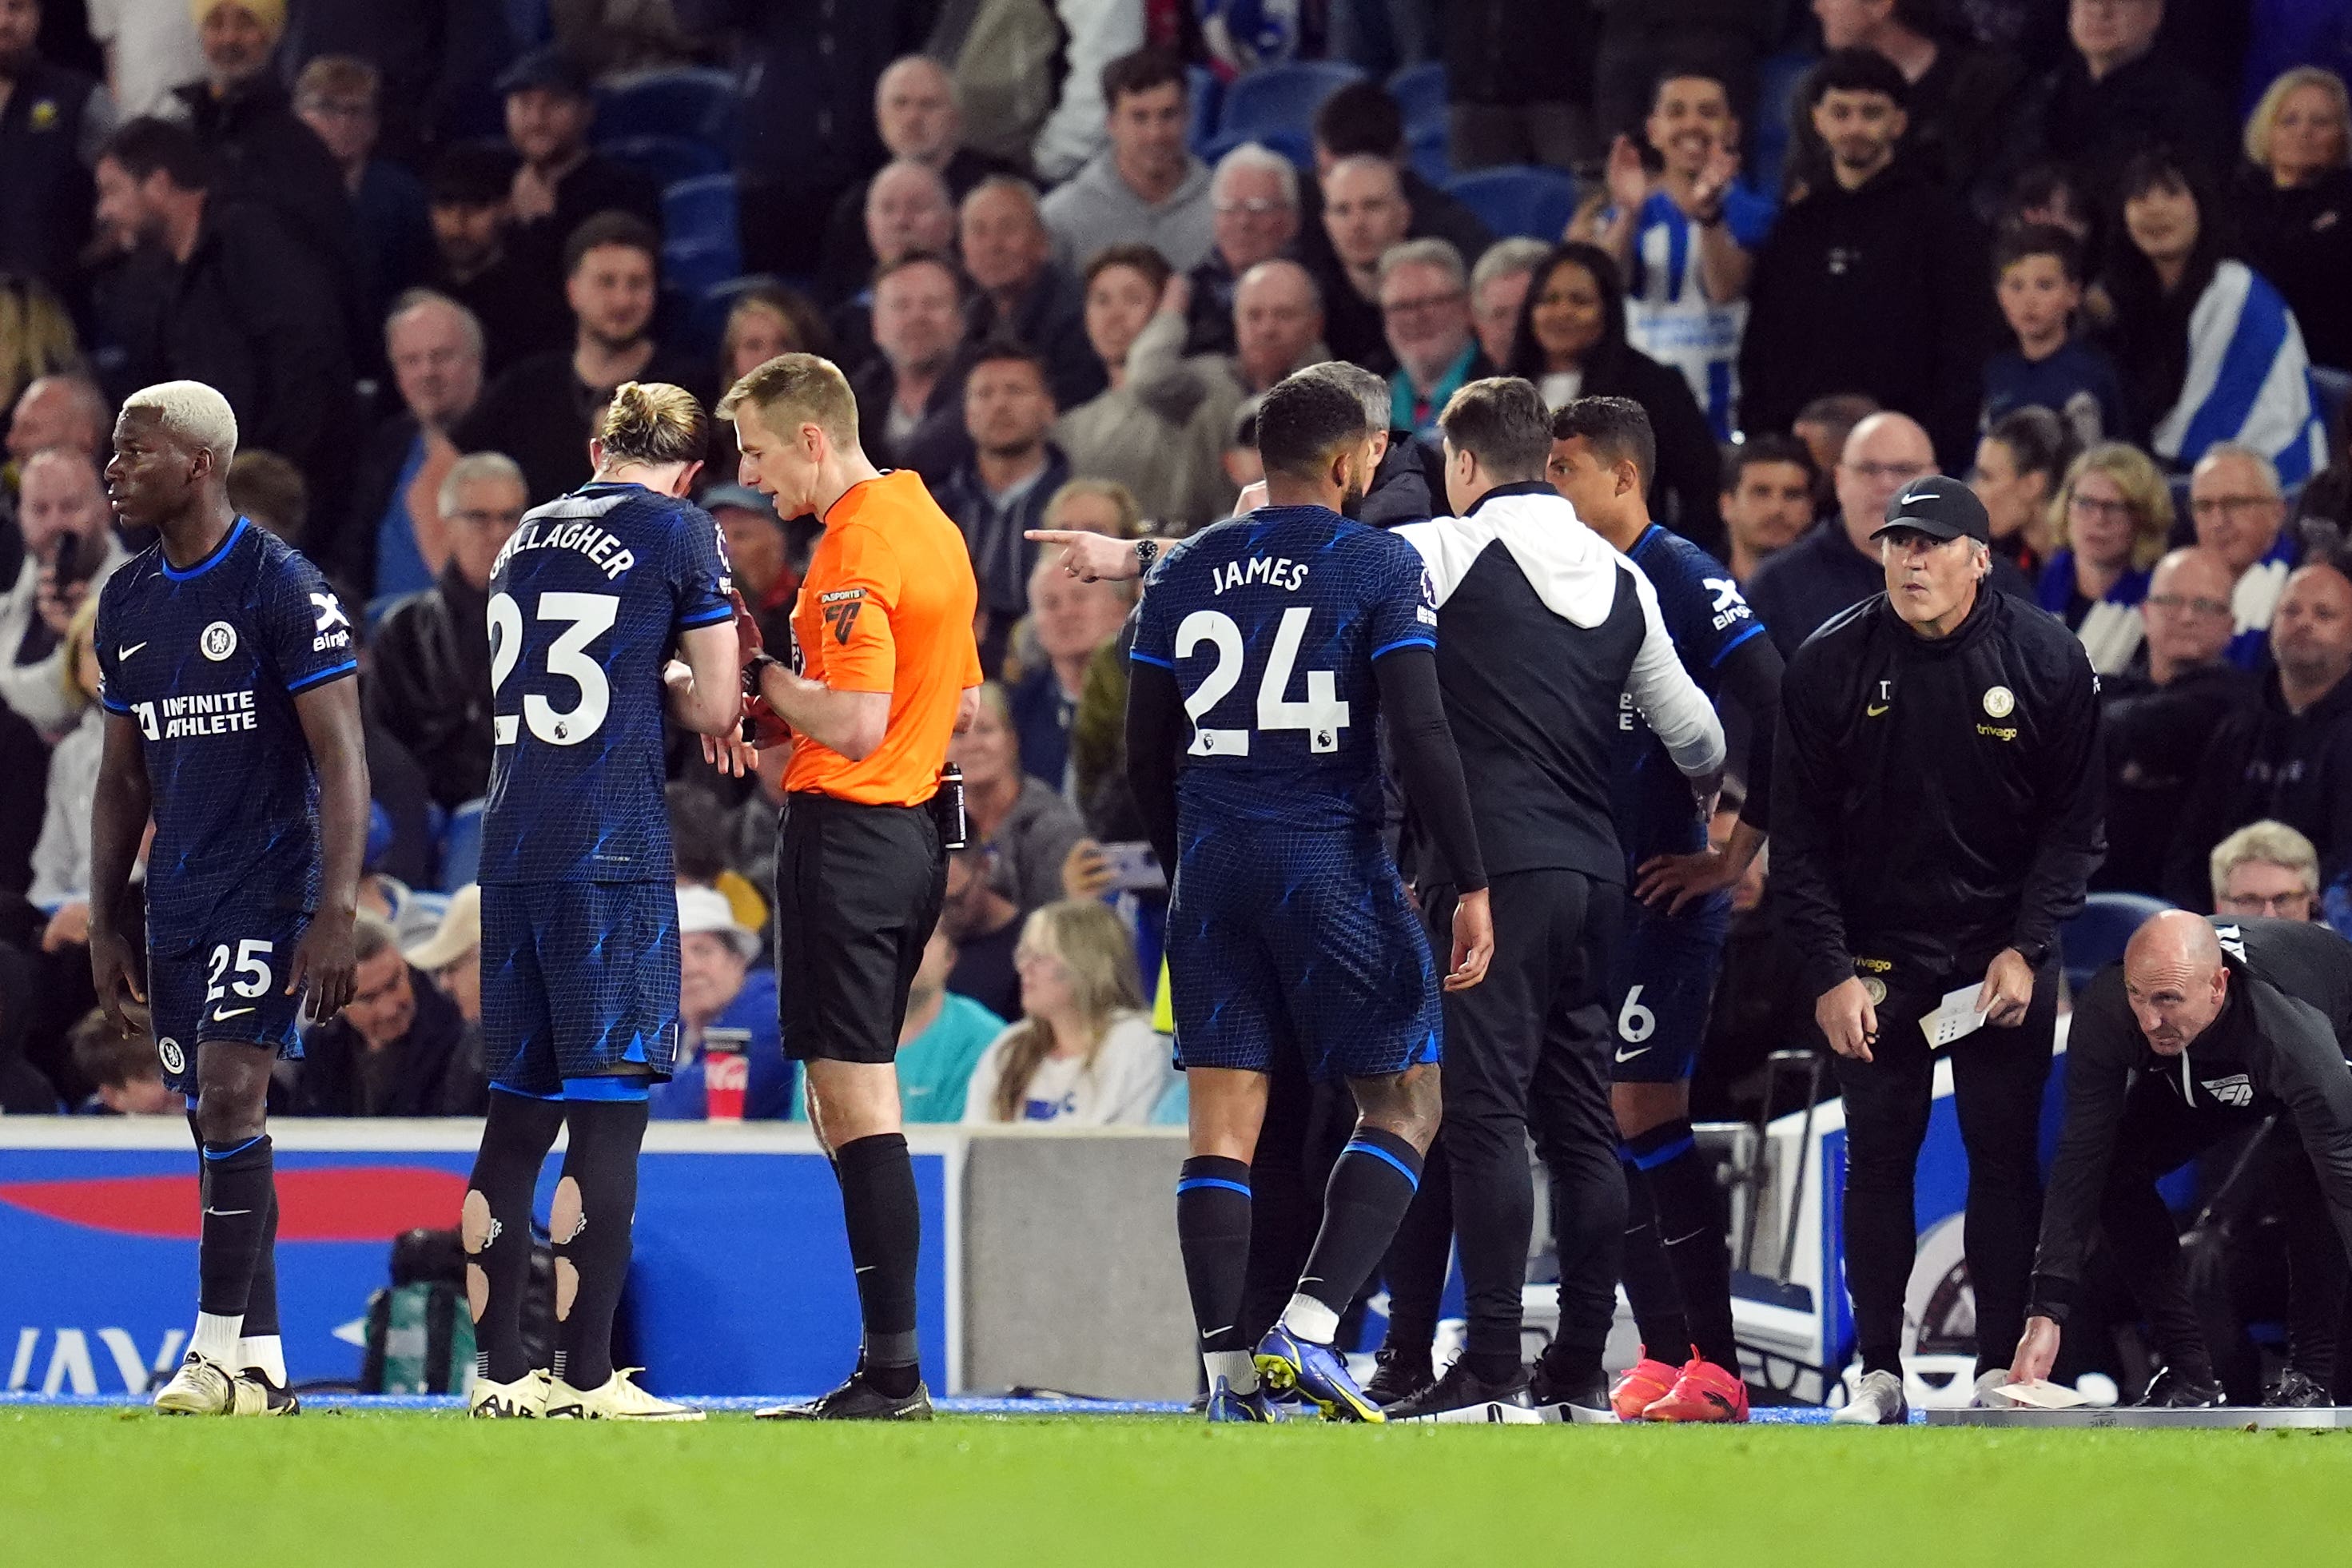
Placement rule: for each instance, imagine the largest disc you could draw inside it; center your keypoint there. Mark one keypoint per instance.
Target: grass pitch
(81, 1486)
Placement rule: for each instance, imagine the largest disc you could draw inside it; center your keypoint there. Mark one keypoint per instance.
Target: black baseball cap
(1940, 508)
(547, 67)
(471, 174)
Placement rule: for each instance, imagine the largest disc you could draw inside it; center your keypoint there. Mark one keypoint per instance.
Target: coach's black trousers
(1527, 1050)
(1998, 1077)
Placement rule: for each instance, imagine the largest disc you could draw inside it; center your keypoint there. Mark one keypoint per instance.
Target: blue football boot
(1224, 1405)
(1317, 1373)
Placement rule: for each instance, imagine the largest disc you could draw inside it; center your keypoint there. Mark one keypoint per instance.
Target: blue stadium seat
(2331, 389)
(1776, 85)
(1429, 149)
(461, 846)
(1519, 199)
(2095, 938)
(1298, 146)
(1204, 92)
(667, 159)
(700, 210)
(692, 266)
(707, 317)
(1282, 98)
(1420, 91)
(695, 103)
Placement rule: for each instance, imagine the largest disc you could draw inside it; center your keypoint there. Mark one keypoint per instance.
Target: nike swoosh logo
(222, 1015)
(1873, 712)
(868, 1268)
(1211, 1333)
(126, 652)
(225, 1213)
(1629, 1056)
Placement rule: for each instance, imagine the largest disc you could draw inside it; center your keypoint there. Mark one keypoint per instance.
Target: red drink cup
(726, 1073)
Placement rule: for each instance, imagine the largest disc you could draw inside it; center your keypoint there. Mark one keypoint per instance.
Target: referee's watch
(755, 670)
(1147, 551)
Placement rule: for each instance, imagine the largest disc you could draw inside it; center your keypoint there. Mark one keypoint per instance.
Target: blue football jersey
(1271, 623)
(587, 601)
(1704, 613)
(208, 661)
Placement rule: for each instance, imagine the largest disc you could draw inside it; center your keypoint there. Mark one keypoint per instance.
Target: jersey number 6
(1322, 715)
(589, 617)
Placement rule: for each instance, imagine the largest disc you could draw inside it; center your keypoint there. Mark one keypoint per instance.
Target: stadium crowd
(1828, 252)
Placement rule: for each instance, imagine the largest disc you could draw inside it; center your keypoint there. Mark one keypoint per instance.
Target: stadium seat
(1519, 199)
(461, 846)
(1776, 85)
(2095, 938)
(1282, 98)
(1429, 149)
(1420, 91)
(1205, 93)
(1298, 146)
(700, 210)
(2330, 389)
(668, 159)
(693, 266)
(695, 103)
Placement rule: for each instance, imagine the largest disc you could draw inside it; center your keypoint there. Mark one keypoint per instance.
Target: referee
(1937, 811)
(886, 670)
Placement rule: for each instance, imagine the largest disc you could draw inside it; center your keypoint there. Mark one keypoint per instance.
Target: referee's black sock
(1691, 1225)
(1213, 1231)
(494, 1226)
(1649, 1282)
(1372, 1185)
(594, 1211)
(884, 1222)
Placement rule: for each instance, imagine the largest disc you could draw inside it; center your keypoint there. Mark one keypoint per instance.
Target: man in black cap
(560, 184)
(469, 198)
(1937, 814)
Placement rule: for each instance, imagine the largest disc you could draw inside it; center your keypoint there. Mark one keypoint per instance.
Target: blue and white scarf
(2249, 380)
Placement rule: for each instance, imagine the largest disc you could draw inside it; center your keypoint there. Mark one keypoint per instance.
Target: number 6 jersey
(587, 601)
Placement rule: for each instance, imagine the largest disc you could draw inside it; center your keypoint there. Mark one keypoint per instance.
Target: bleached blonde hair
(193, 412)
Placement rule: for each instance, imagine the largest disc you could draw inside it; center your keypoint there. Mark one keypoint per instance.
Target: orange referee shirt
(888, 605)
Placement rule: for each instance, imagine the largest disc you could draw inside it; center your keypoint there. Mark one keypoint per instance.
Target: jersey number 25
(1322, 715)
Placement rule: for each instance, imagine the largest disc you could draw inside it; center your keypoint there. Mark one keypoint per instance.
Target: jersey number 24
(587, 616)
(1322, 715)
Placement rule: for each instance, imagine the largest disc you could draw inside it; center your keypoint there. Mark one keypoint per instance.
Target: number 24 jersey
(1271, 623)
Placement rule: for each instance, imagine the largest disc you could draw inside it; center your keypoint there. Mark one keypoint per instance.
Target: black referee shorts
(859, 889)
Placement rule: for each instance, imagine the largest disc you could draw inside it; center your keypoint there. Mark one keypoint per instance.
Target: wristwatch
(756, 668)
(1147, 551)
(2035, 954)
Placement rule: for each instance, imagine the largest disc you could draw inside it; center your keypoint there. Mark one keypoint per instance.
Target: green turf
(107, 1487)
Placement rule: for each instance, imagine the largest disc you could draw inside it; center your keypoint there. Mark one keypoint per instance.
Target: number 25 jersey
(1271, 623)
(587, 600)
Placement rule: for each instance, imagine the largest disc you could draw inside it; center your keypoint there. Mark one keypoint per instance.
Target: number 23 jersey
(1271, 623)
(587, 600)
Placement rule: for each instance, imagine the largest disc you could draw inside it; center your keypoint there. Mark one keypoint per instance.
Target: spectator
(1838, 563)
(1640, 43)
(336, 97)
(517, 300)
(429, 679)
(804, 128)
(719, 989)
(46, 153)
(766, 319)
(1084, 1053)
(1019, 292)
(2116, 94)
(908, 213)
(985, 926)
(1144, 187)
(396, 1047)
(259, 150)
(1824, 423)
(1121, 436)
(2240, 514)
(759, 559)
(1498, 288)
(2157, 713)
(1965, 99)
(2288, 758)
(151, 47)
(1518, 84)
(910, 410)
(1571, 343)
(558, 183)
(942, 1039)
(541, 411)
(1873, 280)
(2048, 195)
(61, 886)
(36, 335)
(453, 957)
(2294, 204)
(920, 120)
(129, 1077)
(1074, 621)
(1363, 120)
(2020, 463)
(1022, 826)
(999, 493)
(1364, 215)
(437, 60)
(269, 493)
(392, 544)
(62, 410)
(1424, 295)
(1685, 241)
(1255, 193)
(1768, 500)
(2266, 871)
(1090, 36)
(2037, 280)
(70, 553)
(2208, 350)
(246, 310)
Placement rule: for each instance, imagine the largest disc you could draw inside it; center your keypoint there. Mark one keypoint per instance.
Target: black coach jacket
(1934, 801)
